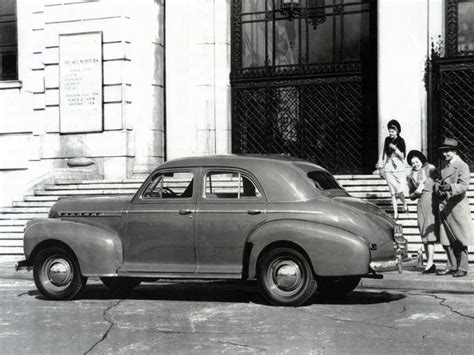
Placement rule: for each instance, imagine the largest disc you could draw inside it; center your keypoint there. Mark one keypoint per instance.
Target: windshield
(324, 181)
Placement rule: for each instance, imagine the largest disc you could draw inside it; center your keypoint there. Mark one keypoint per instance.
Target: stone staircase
(13, 218)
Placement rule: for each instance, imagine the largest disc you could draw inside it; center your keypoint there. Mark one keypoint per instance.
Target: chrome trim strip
(157, 211)
(226, 211)
(89, 214)
(293, 211)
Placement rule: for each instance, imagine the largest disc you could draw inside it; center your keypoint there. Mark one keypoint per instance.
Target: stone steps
(13, 218)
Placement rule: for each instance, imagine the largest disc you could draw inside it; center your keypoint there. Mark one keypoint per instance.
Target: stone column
(402, 51)
(145, 115)
(434, 35)
(197, 77)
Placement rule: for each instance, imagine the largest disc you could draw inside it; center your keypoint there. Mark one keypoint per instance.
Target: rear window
(324, 181)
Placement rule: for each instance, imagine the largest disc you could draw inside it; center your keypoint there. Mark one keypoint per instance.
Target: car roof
(282, 177)
(212, 160)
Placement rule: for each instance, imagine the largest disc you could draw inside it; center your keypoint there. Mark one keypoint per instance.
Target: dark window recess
(8, 40)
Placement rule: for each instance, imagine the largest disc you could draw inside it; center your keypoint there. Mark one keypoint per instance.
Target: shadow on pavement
(218, 291)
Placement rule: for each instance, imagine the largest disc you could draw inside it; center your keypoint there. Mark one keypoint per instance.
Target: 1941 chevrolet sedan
(284, 221)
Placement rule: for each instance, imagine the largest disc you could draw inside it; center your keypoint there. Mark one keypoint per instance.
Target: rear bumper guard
(22, 265)
(396, 264)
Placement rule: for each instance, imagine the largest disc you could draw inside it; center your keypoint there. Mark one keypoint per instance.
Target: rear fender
(330, 250)
(98, 250)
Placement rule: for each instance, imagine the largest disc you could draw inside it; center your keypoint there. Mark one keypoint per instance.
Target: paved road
(223, 317)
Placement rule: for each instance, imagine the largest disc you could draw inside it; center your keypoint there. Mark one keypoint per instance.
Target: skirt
(427, 218)
(397, 181)
(395, 175)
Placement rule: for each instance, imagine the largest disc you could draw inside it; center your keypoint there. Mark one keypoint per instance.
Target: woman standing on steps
(393, 168)
(421, 182)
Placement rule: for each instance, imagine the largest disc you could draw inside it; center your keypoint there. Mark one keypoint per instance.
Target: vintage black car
(284, 221)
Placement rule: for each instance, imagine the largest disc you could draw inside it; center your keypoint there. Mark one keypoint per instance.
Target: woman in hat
(421, 182)
(393, 168)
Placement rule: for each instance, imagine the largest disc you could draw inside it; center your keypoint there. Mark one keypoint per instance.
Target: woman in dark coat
(394, 169)
(421, 182)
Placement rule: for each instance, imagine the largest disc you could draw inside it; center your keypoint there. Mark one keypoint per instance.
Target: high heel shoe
(431, 270)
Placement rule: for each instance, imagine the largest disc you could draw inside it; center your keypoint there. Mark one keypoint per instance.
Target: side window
(8, 40)
(170, 185)
(222, 184)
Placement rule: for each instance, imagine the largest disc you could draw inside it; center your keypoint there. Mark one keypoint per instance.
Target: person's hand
(413, 196)
(443, 195)
(444, 187)
(392, 146)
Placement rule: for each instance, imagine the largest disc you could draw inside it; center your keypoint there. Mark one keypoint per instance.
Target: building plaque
(80, 82)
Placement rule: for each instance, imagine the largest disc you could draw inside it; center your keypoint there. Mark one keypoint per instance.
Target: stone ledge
(10, 84)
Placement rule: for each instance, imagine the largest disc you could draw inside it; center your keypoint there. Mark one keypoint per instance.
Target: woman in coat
(421, 182)
(393, 169)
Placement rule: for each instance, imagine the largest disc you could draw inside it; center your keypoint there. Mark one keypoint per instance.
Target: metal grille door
(318, 120)
(452, 105)
(457, 106)
(304, 84)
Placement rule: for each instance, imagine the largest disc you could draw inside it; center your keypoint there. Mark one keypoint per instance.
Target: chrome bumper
(387, 265)
(396, 264)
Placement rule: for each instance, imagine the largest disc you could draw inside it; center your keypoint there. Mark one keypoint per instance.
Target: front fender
(331, 251)
(98, 250)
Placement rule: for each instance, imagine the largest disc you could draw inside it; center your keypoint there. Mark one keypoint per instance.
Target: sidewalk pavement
(410, 279)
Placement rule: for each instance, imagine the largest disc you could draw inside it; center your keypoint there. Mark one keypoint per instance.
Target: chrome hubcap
(59, 272)
(286, 275)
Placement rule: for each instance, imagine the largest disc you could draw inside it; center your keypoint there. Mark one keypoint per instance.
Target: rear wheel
(121, 284)
(285, 277)
(57, 275)
(337, 286)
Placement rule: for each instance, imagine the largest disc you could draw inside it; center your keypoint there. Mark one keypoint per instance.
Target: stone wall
(132, 140)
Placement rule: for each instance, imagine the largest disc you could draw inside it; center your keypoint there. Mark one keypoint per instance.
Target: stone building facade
(167, 81)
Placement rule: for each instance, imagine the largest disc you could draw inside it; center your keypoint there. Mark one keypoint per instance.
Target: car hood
(81, 206)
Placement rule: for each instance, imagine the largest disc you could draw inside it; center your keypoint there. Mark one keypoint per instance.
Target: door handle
(185, 211)
(252, 212)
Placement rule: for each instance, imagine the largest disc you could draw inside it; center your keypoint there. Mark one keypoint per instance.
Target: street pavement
(232, 317)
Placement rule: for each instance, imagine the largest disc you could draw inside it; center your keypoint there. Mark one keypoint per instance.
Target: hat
(395, 125)
(416, 153)
(449, 144)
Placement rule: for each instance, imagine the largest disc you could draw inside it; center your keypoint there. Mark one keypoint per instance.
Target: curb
(410, 280)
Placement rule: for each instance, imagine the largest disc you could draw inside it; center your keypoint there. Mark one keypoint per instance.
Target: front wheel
(120, 284)
(285, 277)
(57, 275)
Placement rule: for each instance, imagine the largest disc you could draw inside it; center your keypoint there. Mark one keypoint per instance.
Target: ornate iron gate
(454, 105)
(325, 113)
(317, 119)
(451, 90)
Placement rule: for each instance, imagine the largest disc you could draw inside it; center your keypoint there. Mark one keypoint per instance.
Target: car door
(231, 204)
(160, 224)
